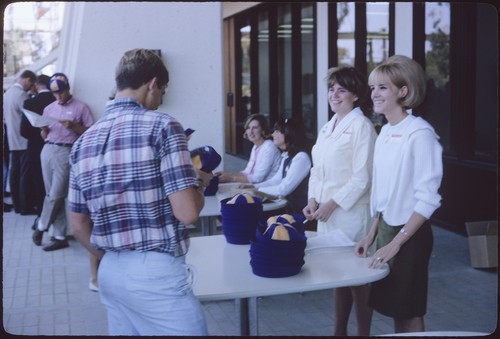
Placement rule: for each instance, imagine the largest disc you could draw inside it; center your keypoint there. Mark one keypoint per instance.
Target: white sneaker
(93, 286)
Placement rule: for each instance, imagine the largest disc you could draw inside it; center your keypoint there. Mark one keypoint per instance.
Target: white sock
(40, 226)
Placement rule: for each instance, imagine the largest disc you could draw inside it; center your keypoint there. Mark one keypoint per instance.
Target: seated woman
(264, 157)
(292, 178)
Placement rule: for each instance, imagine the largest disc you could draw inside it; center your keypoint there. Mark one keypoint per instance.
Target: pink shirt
(74, 110)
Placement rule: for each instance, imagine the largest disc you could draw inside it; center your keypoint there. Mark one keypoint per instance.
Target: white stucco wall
(189, 36)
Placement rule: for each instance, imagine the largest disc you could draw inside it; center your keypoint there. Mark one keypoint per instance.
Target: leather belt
(58, 144)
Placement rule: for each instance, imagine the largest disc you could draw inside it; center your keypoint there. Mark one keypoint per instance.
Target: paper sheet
(336, 238)
(37, 120)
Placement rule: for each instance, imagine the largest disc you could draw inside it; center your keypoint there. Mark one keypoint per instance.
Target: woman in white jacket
(339, 183)
(407, 173)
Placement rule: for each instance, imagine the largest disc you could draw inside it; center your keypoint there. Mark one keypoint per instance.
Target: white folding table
(222, 271)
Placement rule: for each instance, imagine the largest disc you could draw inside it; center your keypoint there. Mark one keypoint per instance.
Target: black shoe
(56, 245)
(37, 237)
(35, 223)
(7, 207)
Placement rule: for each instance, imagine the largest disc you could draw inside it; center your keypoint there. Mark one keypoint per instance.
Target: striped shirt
(123, 169)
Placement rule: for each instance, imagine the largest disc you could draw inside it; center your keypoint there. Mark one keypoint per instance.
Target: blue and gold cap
(58, 82)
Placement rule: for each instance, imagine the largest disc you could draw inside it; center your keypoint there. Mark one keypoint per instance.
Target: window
(31, 32)
(360, 35)
(458, 43)
(285, 60)
(486, 106)
(346, 22)
(275, 66)
(437, 107)
(377, 40)
(308, 68)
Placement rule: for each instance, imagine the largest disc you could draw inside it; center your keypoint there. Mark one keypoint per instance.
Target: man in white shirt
(13, 100)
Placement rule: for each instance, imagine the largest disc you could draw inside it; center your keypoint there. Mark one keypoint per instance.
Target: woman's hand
(225, 177)
(384, 254)
(309, 210)
(325, 210)
(361, 247)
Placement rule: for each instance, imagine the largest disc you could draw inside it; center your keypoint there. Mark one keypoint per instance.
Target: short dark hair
(43, 79)
(355, 82)
(137, 67)
(28, 74)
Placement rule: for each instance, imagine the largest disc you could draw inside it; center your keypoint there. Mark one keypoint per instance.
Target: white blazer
(342, 168)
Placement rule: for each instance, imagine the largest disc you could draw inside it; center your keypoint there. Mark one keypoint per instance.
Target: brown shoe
(56, 245)
(37, 237)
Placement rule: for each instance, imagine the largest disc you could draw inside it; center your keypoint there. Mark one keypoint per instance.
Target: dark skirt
(403, 293)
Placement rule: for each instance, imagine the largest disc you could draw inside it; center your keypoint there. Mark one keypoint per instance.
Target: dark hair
(293, 132)
(261, 119)
(137, 67)
(28, 74)
(43, 79)
(355, 82)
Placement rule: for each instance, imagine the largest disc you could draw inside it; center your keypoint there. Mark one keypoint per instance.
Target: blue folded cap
(296, 220)
(278, 250)
(205, 158)
(240, 217)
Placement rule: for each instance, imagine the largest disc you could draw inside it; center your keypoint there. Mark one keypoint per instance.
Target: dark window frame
(250, 17)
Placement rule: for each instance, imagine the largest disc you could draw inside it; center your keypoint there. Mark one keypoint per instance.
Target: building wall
(189, 36)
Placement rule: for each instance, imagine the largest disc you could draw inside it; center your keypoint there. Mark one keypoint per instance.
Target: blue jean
(147, 293)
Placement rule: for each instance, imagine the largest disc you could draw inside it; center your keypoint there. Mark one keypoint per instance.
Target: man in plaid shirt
(133, 190)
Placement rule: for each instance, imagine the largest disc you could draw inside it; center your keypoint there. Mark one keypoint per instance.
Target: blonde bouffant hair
(403, 71)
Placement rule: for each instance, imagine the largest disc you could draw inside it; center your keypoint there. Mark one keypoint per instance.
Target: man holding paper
(13, 100)
(34, 179)
(73, 118)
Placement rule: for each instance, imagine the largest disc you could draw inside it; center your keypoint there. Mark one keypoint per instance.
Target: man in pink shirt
(73, 117)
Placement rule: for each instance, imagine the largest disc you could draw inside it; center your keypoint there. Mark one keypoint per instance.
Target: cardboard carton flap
(477, 228)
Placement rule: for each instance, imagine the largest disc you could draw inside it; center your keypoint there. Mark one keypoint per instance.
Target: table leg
(248, 316)
(253, 316)
(208, 225)
(242, 311)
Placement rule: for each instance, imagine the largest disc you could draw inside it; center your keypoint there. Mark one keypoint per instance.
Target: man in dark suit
(35, 142)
